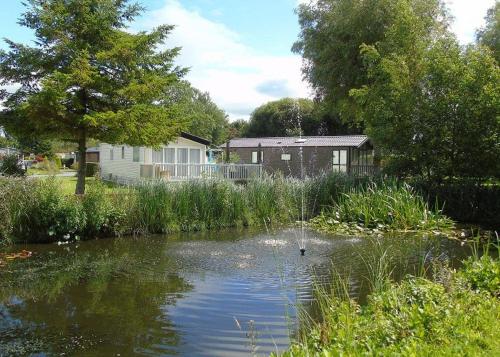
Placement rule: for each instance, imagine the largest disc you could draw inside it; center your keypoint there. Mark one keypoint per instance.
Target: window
(111, 154)
(123, 152)
(135, 154)
(254, 157)
(286, 157)
(194, 156)
(182, 158)
(339, 160)
(157, 156)
(169, 155)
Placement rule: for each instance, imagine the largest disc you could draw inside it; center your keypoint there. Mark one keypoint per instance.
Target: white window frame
(286, 157)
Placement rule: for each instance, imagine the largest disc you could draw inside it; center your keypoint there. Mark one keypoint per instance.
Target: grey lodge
(352, 154)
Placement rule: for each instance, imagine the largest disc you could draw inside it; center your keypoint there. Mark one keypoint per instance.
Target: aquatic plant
(379, 207)
(418, 316)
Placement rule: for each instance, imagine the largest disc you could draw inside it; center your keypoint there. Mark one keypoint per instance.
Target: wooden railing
(364, 170)
(209, 171)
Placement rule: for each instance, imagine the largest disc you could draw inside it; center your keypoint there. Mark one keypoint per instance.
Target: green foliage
(387, 206)
(415, 317)
(284, 117)
(464, 200)
(482, 274)
(92, 169)
(433, 114)
(203, 116)
(237, 128)
(105, 214)
(332, 32)
(10, 166)
(489, 35)
(47, 167)
(38, 211)
(94, 78)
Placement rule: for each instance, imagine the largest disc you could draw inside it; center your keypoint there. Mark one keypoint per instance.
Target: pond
(227, 293)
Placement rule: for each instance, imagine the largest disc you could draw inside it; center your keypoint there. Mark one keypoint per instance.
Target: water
(219, 294)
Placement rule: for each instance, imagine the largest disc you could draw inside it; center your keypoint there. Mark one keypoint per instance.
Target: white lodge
(182, 159)
(127, 163)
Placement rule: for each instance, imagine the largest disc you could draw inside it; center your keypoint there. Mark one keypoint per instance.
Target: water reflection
(220, 293)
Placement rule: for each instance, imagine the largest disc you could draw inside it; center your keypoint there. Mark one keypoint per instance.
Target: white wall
(126, 168)
(118, 166)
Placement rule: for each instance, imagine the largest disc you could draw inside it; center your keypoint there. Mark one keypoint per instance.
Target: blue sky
(239, 50)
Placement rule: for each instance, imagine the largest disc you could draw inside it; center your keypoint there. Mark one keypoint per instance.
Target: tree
(333, 31)
(435, 114)
(237, 129)
(489, 35)
(203, 116)
(87, 77)
(284, 117)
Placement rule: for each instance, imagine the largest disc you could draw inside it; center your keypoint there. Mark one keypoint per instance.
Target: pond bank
(448, 314)
(38, 211)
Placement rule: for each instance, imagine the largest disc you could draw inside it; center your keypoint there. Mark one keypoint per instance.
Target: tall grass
(39, 211)
(420, 315)
(384, 206)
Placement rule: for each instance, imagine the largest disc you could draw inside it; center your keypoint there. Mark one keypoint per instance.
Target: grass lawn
(68, 184)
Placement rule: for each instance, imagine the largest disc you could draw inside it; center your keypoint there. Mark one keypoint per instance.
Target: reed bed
(379, 207)
(39, 211)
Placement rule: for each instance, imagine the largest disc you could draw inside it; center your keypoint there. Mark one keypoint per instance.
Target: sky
(239, 50)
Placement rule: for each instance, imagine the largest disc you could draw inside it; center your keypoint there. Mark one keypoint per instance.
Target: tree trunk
(82, 162)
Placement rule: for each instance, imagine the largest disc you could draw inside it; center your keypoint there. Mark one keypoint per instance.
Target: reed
(383, 206)
(417, 316)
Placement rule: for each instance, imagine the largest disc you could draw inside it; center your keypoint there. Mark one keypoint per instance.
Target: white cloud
(469, 16)
(222, 65)
(235, 74)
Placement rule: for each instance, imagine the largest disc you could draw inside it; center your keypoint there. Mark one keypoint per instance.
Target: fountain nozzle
(302, 251)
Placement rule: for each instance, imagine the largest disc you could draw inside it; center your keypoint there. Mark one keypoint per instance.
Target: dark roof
(195, 138)
(345, 140)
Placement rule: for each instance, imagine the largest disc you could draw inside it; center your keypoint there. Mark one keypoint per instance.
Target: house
(183, 158)
(352, 154)
(92, 154)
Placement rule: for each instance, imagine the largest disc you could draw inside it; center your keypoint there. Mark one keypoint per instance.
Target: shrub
(44, 214)
(415, 317)
(104, 214)
(482, 274)
(10, 166)
(46, 165)
(57, 162)
(91, 169)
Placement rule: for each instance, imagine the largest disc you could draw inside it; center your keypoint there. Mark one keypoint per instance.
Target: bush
(417, 317)
(465, 201)
(57, 162)
(10, 166)
(91, 169)
(105, 215)
(45, 214)
(46, 165)
(482, 274)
